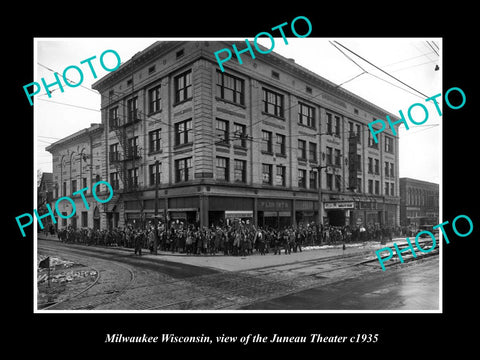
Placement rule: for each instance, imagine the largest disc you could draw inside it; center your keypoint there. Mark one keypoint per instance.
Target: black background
(399, 333)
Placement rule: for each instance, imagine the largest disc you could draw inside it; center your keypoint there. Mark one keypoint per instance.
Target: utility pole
(155, 244)
(319, 169)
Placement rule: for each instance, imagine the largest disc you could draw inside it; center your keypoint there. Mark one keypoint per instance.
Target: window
(183, 132)
(273, 103)
(302, 149)
(152, 173)
(377, 167)
(183, 86)
(371, 141)
(266, 141)
(84, 219)
(337, 126)
(222, 132)
(114, 181)
(392, 172)
(222, 168)
(312, 152)
(280, 144)
(113, 118)
(132, 108)
(240, 134)
(308, 89)
(329, 124)
(132, 149)
(280, 180)
(151, 69)
(313, 179)
(359, 163)
(132, 178)
(302, 181)
(74, 186)
(306, 115)
(329, 181)
(377, 187)
(230, 88)
(114, 154)
(387, 188)
(387, 173)
(154, 140)
(267, 174)
(275, 75)
(329, 155)
(389, 144)
(179, 53)
(183, 169)
(359, 133)
(84, 183)
(338, 182)
(392, 189)
(370, 186)
(239, 174)
(370, 165)
(154, 101)
(338, 158)
(359, 185)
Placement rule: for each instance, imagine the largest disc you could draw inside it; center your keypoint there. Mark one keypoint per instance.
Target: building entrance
(336, 217)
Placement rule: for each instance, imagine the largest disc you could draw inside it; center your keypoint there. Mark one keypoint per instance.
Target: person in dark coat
(138, 242)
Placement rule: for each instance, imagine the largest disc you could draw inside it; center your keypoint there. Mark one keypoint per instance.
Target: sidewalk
(239, 263)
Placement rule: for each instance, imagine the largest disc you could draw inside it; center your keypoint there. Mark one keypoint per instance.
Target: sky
(410, 60)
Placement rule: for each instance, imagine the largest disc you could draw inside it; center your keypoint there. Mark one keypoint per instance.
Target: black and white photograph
(278, 173)
(222, 181)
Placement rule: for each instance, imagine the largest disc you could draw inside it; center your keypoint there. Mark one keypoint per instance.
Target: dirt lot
(67, 279)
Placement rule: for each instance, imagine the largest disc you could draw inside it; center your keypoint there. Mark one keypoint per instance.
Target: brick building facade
(253, 142)
(419, 202)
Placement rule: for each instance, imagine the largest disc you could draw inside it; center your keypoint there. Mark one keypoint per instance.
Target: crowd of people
(237, 239)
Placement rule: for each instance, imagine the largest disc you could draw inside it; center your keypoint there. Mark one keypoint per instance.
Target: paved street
(320, 279)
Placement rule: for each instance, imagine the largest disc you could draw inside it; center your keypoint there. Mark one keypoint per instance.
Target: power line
(435, 51)
(411, 58)
(75, 106)
(375, 66)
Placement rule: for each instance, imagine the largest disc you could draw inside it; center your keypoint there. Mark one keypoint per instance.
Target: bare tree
(39, 176)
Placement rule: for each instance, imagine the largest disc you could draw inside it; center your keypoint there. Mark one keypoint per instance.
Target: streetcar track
(104, 297)
(243, 287)
(290, 280)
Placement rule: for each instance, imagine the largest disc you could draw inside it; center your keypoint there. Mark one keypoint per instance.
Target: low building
(419, 203)
(78, 163)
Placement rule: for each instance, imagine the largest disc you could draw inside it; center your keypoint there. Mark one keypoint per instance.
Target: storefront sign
(339, 205)
(178, 215)
(270, 214)
(238, 214)
(273, 204)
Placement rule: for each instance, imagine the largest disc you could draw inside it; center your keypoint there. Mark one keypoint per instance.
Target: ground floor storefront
(216, 205)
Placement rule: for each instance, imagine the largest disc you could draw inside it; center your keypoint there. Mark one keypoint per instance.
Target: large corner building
(266, 141)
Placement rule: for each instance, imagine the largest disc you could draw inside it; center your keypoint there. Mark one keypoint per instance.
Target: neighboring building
(45, 195)
(79, 162)
(419, 202)
(246, 143)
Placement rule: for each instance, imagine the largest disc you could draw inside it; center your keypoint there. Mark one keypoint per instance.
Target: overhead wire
(380, 69)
